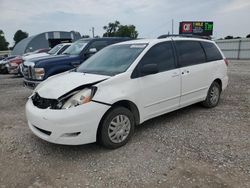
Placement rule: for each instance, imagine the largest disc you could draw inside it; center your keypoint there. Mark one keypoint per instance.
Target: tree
(248, 36)
(111, 29)
(117, 30)
(229, 37)
(127, 31)
(3, 43)
(20, 35)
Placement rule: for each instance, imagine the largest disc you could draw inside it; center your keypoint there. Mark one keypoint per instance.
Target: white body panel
(65, 83)
(84, 119)
(158, 93)
(153, 95)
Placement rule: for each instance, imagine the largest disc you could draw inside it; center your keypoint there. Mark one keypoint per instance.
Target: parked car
(56, 50)
(37, 70)
(4, 64)
(124, 85)
(13, 65)
(2, 57)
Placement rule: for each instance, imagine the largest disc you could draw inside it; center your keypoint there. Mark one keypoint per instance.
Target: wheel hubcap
(119, 128)
(214, 95)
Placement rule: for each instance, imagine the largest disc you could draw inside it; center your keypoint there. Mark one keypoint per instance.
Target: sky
(151, 17)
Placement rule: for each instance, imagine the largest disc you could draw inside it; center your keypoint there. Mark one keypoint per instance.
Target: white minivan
(124, 85)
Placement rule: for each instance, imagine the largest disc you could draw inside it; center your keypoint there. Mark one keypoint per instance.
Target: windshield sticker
(138, 46)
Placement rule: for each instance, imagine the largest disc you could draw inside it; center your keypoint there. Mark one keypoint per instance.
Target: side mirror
(149, 69)
(92, 51)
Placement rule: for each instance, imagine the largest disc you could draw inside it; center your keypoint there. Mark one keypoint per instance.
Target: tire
(213, 96)
(116, 128)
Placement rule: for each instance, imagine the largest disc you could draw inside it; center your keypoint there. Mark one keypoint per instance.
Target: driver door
(159, 93)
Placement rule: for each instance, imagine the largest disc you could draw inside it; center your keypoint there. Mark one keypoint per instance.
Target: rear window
(190, 53)
(212, 51)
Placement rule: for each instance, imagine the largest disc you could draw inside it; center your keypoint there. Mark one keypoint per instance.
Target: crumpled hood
(56, 86)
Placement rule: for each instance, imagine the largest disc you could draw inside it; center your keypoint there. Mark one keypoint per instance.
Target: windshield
(112, 60)
(76, 48)
(55, 49)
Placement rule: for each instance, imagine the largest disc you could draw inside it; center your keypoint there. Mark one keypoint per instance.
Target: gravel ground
(191, 147)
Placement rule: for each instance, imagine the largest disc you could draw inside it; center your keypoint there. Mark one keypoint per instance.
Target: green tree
(111, 29)
(127, 31)
(248, 36)
(3, 43)
(117, 30)
(20, 35)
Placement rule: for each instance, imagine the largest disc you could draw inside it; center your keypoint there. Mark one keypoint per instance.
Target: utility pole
(172, 26)
(93, 32)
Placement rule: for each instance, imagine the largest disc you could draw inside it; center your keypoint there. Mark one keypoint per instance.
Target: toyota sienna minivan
(124, 85)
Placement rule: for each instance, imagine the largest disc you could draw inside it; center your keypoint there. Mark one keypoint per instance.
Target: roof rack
(185, 35)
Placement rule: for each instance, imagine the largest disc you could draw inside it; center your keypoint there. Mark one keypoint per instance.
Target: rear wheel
(116, 128)
(213, 96)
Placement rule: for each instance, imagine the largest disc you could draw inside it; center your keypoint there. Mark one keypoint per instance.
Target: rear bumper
(30, 84)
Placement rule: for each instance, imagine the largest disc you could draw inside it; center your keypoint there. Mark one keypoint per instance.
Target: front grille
(44, 103)
(28, 72)
(25, 71)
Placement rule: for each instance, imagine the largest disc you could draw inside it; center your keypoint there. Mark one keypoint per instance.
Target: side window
(98, 45)
(190, 53)
(162, 55)
(211, 51)
(63, 49)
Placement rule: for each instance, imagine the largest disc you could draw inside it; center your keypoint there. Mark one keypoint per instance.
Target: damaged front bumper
(73, 126)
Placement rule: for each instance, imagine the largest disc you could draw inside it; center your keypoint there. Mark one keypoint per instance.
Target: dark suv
(38, 69)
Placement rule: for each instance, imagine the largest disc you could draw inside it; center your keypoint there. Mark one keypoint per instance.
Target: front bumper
(30, 83)
(73, 126)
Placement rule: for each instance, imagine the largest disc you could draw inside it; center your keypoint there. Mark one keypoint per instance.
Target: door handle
(175, 74)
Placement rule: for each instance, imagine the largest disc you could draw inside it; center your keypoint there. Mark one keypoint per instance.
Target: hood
(31, 56)
(56, 86)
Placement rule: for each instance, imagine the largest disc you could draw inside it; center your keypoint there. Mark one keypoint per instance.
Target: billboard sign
(196, 28)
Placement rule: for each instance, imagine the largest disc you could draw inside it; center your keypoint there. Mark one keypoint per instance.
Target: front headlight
(39, 73)
(82, 97)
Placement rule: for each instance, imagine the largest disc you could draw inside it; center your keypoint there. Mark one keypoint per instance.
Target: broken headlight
(82, 97)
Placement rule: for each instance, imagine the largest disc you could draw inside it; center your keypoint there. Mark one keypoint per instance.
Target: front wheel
(213, 96)
(116, 128)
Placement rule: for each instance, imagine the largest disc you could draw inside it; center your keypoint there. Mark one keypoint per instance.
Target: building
(44, 40)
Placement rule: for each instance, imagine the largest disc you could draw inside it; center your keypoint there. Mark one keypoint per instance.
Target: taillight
(226, 61)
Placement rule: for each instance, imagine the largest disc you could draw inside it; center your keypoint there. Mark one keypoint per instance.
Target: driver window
(162, 55)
